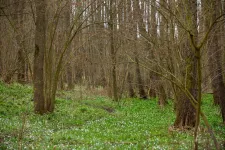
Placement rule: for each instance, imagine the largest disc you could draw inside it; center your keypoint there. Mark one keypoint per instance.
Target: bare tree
(138, 23)
(113, 51)
(40, 47)
(185, 111)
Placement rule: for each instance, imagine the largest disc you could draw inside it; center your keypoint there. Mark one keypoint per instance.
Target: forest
(112, 74)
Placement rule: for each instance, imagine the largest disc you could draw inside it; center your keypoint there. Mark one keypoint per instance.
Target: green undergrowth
(97, 123)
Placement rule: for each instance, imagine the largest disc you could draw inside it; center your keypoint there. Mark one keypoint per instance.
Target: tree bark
(69, 77)
(40, 47)
(138, 25)
(185, 111)
(162, 98)
(1, 42)
(130, 86)
(19, 20)
(0, 62)
(141, 89)
(66, 15)
(153, 33)
(113, 51)
(22, 67)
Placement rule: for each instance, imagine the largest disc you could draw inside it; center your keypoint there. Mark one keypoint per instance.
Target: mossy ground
(96, 123)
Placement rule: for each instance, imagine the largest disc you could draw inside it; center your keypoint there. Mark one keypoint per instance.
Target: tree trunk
(130, 86)
(22, 67)
(153, 33)
(69, 70)
(185, 111)
(215, 62)
(142, 92)
(162, 95)
(19, 20)
(113, 52)
(40, 46)
(69, 77)
(0, 63)
(138, 25)
(1, 67)
(2, 3)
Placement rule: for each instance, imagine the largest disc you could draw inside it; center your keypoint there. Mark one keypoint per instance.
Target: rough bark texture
(185, 112)
(40, 46)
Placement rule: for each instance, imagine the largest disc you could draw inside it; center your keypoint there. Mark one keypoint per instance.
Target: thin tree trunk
(19, 19)
(138, 23)
(113, 52)
(22, 67)
(70, 76)
(2, 3)
(142, 92)
(67, 14)
(153, 33)
(40, 46)
(0, 66)
(130, 86)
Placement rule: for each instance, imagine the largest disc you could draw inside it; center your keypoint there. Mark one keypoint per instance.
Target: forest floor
(95, 122)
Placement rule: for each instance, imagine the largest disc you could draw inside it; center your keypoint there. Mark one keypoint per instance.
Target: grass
(96, 123)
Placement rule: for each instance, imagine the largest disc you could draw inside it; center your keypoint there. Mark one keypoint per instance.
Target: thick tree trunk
(40, 46)
(185, 111)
